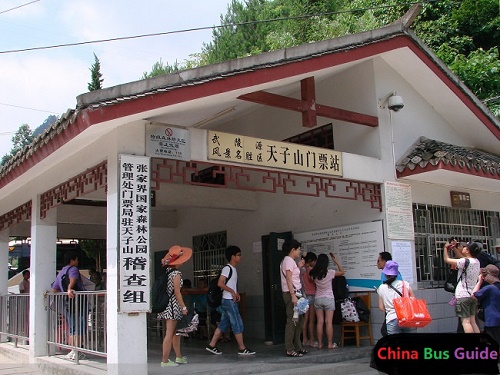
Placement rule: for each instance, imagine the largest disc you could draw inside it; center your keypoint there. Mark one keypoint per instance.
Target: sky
(36, 84)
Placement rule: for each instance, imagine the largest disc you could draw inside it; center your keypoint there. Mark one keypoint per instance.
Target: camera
(453, 242)
(395, 103)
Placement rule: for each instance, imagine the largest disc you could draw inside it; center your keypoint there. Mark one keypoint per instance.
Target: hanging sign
(273, 154)
(134, 234)
(167, 142)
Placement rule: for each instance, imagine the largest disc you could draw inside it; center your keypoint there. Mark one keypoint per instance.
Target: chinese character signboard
(460, 199)
(273, 154)
(134, 232)
(167, 142)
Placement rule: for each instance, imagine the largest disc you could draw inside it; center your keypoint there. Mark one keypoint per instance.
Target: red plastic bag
(411, 312)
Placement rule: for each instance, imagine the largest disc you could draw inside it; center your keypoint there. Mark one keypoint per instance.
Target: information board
(356, 247)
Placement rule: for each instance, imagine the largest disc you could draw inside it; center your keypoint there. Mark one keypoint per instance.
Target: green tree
(21, 139)
(464, 33)
(96, 79)
(95, 249)
(159, 69)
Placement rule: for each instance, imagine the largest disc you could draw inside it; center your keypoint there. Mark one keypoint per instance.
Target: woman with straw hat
(176, 307)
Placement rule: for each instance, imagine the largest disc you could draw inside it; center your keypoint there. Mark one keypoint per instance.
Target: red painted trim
(448, 167)
(90, 117)
(456, 90)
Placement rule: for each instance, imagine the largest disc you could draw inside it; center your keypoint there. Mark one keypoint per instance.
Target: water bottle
(295, 315)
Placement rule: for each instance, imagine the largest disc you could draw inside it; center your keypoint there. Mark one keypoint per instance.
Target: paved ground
(269, 360)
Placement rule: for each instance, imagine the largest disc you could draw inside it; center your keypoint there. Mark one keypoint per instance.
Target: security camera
(395, 103)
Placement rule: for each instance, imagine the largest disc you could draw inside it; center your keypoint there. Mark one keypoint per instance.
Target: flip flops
(293, 353)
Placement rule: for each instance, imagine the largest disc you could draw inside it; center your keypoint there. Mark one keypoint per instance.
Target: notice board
(356, 247)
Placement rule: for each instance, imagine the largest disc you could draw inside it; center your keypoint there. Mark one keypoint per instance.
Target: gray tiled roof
(428, 151)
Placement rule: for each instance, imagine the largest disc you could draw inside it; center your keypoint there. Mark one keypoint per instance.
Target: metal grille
(434, 225)
(208, 255)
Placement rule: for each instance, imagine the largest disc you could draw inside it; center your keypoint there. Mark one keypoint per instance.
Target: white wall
(440, 195)
(276, 213)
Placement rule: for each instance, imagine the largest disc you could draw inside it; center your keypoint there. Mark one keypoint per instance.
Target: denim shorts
(77, 322)
(230, 317)
(324, 303)
(393, 328)
(310, 299)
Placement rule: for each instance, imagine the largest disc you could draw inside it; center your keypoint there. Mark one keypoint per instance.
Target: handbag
(452, 280)
(349, 312)
(411, 312)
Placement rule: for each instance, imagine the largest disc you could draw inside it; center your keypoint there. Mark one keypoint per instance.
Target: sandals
(302, 351)
(293, 353)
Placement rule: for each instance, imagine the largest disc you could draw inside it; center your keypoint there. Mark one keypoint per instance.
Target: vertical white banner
(134, 234)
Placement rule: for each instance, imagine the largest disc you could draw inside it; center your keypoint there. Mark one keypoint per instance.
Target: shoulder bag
(411, 312)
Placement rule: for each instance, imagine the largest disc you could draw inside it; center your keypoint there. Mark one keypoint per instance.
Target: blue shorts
(310, 299)
(230, 317)
(393, 328)
(77, 321)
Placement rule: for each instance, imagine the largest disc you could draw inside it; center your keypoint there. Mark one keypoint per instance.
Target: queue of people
(307, 276)
(304, 277)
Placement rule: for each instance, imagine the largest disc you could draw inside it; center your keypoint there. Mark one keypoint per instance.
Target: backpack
(340, 293)
(340, 288)
(65, 279)
(159, 294)
(214, 296)
(485, 259)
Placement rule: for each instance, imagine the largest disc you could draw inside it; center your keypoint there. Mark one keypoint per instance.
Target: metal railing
(14, 317)
(78, 324)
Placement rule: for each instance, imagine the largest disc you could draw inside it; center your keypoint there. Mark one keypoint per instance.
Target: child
(310, 290)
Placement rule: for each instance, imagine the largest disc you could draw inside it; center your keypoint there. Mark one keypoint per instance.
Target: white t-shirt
(231, 283)
(388, 294)
(466, 285)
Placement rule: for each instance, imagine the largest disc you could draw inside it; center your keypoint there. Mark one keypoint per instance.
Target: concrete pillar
(127, 334)
(4, 258)
(43, 273)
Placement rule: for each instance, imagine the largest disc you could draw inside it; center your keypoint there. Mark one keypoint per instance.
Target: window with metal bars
(208, 255)
(434, 225)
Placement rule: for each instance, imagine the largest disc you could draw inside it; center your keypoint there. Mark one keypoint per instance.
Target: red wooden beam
(308, 95)
(308, 106)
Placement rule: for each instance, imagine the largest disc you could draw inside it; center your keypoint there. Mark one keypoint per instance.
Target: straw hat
(176, 255)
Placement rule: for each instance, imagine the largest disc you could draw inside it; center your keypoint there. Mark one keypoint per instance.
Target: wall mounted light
(392, 101)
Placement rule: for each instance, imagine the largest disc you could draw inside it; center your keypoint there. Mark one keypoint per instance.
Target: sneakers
(72, 356)
(213, 350)
(169, 364)
(181, 360)
(246, 351)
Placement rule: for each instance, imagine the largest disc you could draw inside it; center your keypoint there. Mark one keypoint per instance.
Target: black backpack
(65, 279)
(159, 294)
(214, 295)
(340, 288)
(340, 293)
